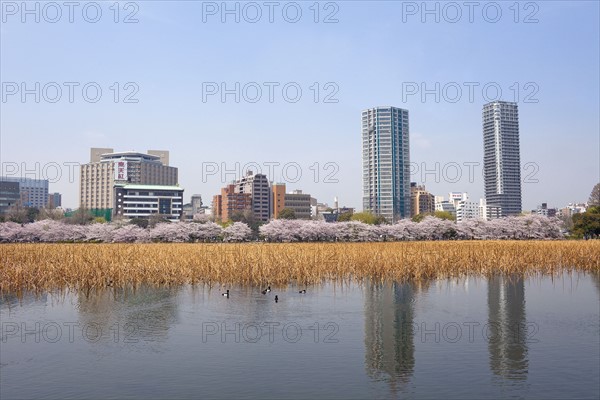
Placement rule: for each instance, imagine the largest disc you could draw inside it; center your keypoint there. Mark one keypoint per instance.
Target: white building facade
(143, 201)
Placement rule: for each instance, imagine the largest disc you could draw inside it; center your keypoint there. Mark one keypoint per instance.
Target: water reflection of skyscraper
(10, 300)
(596, 280)
(141, 314)
(389, 343)
(507, 333)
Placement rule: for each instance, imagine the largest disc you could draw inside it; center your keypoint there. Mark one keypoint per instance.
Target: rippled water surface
(467, 338)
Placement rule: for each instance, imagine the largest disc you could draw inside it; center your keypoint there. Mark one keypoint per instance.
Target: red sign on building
(121, 172)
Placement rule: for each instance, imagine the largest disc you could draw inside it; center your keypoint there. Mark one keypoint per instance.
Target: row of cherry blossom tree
(430, 228)
(525, 227)
(55, 231)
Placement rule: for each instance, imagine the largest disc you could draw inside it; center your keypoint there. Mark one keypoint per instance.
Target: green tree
(81, 216)
(344, 217)
(246, 216)
(287, 213)
(32, 213)
(438, 214)
(420, 217)
(594, 199)
(156, 219)
(444, 215)
(587, 223)
(368, 218)
(23, 215)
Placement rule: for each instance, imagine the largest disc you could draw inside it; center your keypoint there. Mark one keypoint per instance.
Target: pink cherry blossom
(281, 230)
(238, 232)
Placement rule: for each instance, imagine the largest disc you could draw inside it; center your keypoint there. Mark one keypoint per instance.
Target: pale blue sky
(368, 54)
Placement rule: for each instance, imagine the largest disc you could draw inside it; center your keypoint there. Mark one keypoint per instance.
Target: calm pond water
(466, 338)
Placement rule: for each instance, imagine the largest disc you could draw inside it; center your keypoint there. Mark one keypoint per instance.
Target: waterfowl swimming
(267, 290)
(302, 291)
(225, 294)
(276, 298)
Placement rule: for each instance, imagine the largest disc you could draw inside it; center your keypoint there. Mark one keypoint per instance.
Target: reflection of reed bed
(84, 266)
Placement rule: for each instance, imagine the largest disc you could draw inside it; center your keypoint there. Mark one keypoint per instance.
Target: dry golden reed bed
(39, 267)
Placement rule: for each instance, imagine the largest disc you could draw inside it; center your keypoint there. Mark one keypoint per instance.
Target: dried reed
(38, 267)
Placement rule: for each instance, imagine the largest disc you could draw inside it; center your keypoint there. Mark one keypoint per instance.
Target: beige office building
(107, 168)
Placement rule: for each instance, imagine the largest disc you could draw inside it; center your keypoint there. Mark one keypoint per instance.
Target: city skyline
(202, 130)
(492, 111)
(431, 177)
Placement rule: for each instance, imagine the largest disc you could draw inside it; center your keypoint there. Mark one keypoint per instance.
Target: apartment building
(386, 162)
(224, 205)
(259, 188)
(422, 202)
(501, 156)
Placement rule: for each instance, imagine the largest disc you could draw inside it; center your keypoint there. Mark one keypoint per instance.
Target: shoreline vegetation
(48, 266)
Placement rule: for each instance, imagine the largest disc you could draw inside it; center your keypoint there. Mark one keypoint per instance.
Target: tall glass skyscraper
(501, 158)
(386, 162)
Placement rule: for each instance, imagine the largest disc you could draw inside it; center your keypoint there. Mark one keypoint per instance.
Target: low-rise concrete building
(545, 211)
(467, 210)
(143, 201)
(489, 212)
(444, 205)
(298, 202)
(9, 195)
(32, 192)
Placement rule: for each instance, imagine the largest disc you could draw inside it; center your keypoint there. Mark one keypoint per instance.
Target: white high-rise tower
(386, 162)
